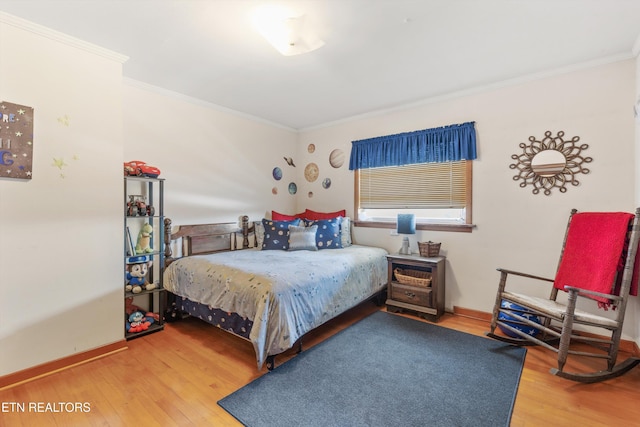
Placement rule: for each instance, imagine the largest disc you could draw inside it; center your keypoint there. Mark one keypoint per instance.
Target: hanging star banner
(16, 141)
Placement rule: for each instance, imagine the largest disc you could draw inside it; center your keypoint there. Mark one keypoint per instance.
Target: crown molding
(196, 101)
(43, 31)
(479, 89)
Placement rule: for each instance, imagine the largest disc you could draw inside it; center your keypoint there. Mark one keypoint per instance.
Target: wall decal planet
(293, 188)
(311, 172)
(310, 194)
(277, 173)
(311, 148)
(274, 190)
(326, 183)
(336, 158)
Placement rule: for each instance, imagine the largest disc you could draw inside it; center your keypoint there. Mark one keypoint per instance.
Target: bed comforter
(285, 294)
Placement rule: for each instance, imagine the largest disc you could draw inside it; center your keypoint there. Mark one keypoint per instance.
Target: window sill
(459, 228)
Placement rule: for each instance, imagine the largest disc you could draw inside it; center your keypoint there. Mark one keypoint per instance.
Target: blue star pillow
(276, 234)
(328, 235)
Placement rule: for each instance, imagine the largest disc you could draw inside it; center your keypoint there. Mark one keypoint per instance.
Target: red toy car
(138, 168)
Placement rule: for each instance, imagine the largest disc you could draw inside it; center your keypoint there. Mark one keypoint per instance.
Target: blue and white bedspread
(284, 293)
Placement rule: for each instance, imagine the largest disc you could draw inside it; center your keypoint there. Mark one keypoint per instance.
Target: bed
(270, 297)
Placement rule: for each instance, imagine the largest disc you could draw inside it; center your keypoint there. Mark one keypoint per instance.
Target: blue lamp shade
(406, 224)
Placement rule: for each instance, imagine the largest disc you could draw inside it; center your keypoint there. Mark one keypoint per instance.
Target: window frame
(467, 227)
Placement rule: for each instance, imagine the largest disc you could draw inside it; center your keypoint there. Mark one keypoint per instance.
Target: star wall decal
(59, 163)
(64, 120)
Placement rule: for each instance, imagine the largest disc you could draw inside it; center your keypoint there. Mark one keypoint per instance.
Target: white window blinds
(416, 186)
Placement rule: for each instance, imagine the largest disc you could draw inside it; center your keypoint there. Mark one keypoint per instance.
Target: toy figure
(136, 276)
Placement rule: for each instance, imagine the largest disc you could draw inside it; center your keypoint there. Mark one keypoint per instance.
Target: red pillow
(277, 216)
(309, 214)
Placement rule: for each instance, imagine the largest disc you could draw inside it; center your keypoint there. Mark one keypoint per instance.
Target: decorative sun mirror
(550, 163)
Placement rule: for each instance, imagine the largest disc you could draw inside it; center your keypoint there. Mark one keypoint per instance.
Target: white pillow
(345, 234)
(259, 230)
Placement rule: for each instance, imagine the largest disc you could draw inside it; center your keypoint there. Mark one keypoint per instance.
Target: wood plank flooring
(175, 377)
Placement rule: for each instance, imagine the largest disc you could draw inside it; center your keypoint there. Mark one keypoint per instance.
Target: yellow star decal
(64, 120)
(59, 163)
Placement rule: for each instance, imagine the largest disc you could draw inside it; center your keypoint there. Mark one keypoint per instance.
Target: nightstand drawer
(411, 294)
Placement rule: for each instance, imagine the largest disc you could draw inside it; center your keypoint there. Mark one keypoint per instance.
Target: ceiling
(378, 54)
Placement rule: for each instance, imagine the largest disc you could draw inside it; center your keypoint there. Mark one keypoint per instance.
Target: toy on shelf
(130, 308)
(136, 277)
(138, 168)
(143, 246)
(137, 206)
(139, 322)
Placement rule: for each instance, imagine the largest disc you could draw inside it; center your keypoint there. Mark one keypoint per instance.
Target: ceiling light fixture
(290, 34)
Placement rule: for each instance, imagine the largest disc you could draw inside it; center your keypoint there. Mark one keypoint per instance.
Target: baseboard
(473, 314)
(54, 366)
(625, 345)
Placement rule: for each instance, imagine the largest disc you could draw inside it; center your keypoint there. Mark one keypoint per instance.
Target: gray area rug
(387, 370)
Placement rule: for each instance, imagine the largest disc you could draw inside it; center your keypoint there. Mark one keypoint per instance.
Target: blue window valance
(436, 145)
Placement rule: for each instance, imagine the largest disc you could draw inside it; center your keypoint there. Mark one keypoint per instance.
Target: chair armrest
(586, 292)
(530, 276)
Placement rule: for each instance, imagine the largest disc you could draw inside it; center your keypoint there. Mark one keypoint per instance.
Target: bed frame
(204, 239)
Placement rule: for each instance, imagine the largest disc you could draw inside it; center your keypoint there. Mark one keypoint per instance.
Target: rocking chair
(596, 262)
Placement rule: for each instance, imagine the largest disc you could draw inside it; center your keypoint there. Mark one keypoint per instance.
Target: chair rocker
(596, 262)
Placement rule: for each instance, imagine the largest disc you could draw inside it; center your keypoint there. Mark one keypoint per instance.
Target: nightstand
(427, 301)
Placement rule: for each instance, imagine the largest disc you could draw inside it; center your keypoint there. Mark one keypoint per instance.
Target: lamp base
(405, 250)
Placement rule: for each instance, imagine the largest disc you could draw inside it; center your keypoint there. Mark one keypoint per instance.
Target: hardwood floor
(175, 377)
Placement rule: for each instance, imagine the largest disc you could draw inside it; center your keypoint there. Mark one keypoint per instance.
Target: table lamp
(406, 225)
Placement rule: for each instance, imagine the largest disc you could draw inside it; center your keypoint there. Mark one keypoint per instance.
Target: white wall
(60, 254)
(217, 164)
(514, 228)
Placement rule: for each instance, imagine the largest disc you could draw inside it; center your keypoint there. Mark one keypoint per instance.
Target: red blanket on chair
(592, 253)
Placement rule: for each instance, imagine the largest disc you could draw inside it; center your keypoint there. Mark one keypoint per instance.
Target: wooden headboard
(203, 239)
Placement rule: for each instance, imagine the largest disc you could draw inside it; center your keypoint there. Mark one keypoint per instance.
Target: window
(426, 172)
(439, 194)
